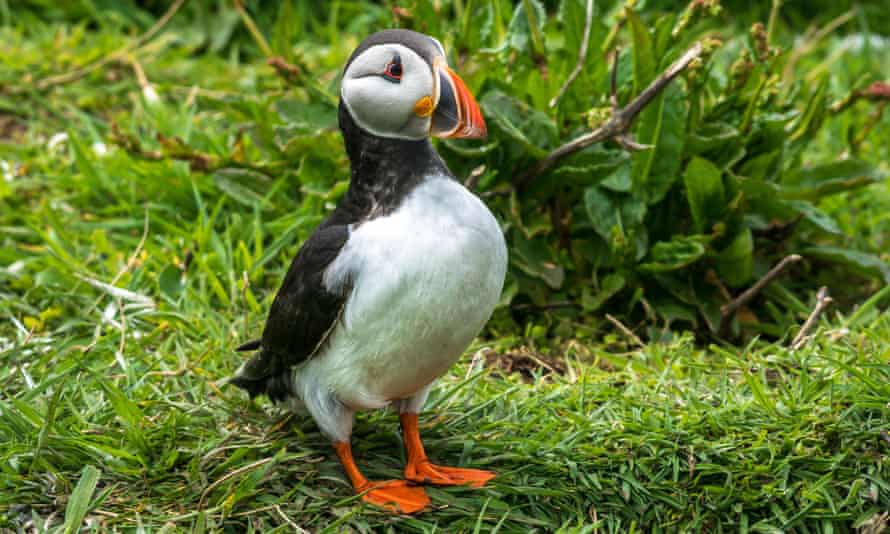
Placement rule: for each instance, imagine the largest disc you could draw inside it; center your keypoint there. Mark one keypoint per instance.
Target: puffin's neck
(384, 170)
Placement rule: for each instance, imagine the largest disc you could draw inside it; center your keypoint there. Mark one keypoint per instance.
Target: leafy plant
(663, 235)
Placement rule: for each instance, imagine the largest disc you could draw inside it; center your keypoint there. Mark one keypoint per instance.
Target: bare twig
(175, 148)
(148, 90)
(822, 302)
(582, 56)
(77, 74)
(728, 311)
(289, 521)
(619, 123)
(876, 92)
(625, 330)
(286, 70)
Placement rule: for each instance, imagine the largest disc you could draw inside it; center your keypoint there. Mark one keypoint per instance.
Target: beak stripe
(470, 122)
(457, 114)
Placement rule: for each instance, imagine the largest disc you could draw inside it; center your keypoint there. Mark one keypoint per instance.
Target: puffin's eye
(393, 70)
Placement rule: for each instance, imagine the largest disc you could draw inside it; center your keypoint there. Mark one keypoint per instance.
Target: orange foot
(441, 475)
(395, 496)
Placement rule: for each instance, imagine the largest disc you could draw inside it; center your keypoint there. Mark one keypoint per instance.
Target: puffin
(393, 286)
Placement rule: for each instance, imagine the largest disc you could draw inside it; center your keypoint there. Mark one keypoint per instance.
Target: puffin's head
(397, 84)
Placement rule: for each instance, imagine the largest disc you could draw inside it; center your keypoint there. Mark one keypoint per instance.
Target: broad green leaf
(609, 168)
(813, 115)
(286, 30)
(662, 124)
(762, 167)
(602, 212)
(813, 183)
(572, 15)
(224, 24)
(679, 252)
(711, 136)
(170, 281)
(756, 188)
(610, 285)
(307, 116)
(661, 36)
(231, 182)
(619, 180)
(609, 212)
(643, 52)
(735, 263)
(80, 498)
(707, 299)
(814, 215)
(526, 27)
(534, 258)
(673, 310)
(532, 129)
(704, 191)
(860, 262)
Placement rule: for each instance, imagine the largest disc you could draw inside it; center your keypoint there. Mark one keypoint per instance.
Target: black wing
(301, 318)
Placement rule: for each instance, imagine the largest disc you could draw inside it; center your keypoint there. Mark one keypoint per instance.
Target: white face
(384, 88)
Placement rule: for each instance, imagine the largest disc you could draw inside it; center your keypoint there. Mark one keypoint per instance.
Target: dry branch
(728, 311)
(289, 72)
(628, 333)
(822, 302)
(175, 148)
(618, 125)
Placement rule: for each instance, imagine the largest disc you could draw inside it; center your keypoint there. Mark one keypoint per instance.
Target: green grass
(126, 282)
(762, 439)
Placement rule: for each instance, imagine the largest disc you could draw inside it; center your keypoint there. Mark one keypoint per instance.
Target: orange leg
(419, 468)
(393, 495)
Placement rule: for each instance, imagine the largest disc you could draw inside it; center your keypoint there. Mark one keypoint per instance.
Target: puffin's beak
(457, 114)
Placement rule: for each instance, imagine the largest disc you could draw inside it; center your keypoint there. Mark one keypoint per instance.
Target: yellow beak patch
(424, 107)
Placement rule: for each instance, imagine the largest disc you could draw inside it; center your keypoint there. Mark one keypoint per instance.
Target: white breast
(425, 279)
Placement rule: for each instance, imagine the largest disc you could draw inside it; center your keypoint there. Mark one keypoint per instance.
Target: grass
(763, 439)
(125, 282)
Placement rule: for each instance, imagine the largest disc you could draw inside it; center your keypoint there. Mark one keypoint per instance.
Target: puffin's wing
(302, 317)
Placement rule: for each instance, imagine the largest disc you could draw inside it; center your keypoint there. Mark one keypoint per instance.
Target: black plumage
(304, 312)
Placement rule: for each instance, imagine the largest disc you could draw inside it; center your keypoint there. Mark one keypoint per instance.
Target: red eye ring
(393, 70)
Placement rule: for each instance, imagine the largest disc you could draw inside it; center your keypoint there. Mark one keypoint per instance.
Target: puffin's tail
(252, 385)
(257, 375)
(250, 345)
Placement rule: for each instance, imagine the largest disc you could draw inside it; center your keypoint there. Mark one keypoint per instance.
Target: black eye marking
(393, 70)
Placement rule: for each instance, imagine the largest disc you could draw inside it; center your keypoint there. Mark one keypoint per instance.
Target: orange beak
(457, 113)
